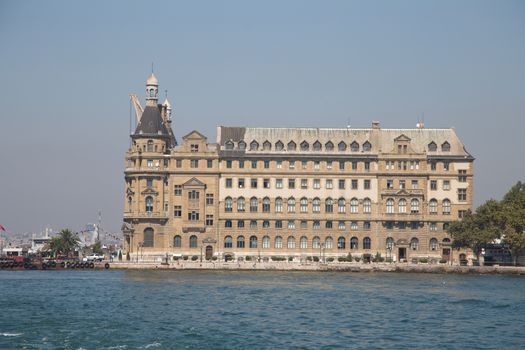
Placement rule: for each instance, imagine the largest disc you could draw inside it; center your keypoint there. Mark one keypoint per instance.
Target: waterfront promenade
(315, 266)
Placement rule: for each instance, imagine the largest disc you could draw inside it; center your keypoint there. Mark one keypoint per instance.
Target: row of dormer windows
(303, 146)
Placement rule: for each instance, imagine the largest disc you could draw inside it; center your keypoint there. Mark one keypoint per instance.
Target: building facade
(292, 192)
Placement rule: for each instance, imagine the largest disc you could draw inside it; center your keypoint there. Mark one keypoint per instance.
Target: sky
(68, 67)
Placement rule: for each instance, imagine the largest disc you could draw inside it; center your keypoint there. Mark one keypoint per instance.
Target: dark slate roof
(235, 134)
(151, 123)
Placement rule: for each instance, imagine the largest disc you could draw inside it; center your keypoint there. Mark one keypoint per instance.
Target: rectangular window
(291, 224)
(209, 220)
(354, 165)
(461, 214)
(209, 198)
(328, 224)
(433, 226)
(304, 184)
(402, 185)
(279, 164)
(446, 185)
(414, 225)
(367, 166)
(278, 224)
(278, 183)
(462, 175)
(229, 183)
(253, 183)
(317, 184)
(329, 164)
(341, 165)
(317, 165)
(177, 211)
(254, 164)
(415, 184)
(209, 163)
(304, 225)
(229, 164)
(341, 184)
(266, 183)
(149, 182)
(194, 163)
(266, 164)
(194, 148)
(150, 163)
(446, 166)
(240, 183)
(291, 164)
(341, 225)
(367, 184)
(389, 184)
(253, 223)
(367, 226)
(291, 183)
(304, 164)
(462, 194)
(402, 225)
(240, 224)
(178, 190)
(354, 226)
(193, 215)
(354, 184)
(241, 164)
(317, 225)
(178, 163)
(433, 166)
(193, 195)
(329, 184)
(433, 185)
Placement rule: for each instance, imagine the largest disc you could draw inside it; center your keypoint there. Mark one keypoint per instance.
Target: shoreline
(323, 267)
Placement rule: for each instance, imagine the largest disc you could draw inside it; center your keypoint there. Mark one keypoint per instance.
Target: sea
(125, 309)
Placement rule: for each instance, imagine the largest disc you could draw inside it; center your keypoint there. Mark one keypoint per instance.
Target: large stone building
(292, 192)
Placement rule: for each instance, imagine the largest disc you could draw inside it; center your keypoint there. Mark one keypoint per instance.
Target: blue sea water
(259, 310)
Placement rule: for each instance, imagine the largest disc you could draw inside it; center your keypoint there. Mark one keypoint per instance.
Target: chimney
(376, 125)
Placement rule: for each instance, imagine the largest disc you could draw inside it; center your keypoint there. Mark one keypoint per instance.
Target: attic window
(242, 145)
(229, 145)
(354, 147)
(341, 146)
(305, 146)
(254, 146)
(329, 146)
(367, 146)
(279, 146)
(291, 146)
(432, 147)
(445, 147)
(267, 146)
(317, 146)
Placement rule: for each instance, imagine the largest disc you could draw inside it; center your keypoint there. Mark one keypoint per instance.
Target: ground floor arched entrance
(209, 252)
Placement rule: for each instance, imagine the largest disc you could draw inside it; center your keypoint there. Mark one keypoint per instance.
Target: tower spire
(152, 89)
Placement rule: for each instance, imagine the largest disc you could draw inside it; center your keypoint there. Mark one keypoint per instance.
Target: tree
(513, 209)
(97, 248)
(65, 242)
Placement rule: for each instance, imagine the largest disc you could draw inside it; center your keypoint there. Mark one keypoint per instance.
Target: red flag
(2, 228)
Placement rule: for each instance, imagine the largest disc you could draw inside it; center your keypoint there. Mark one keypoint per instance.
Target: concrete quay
(314, 266)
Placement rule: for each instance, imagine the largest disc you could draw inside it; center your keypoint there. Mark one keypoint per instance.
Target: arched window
(305, 146)
(367, 243)
(433, 245)
(317, 146)
(445, 147)
(149, 204)
(130, 203)
(291, 205)
(242, 145)
(446, 241)
(433, 206)
(278, 205)
(367, 146)
(329, 146)
(279, 146)
(266, 205)
(303, 242)
(354, 205)
(402, 205)
(341, 146)
(354, 243)
(414, 244)
(228, 242)
(266, 242)
(177, 241)
(228, 224)
(446, 206)
(254, 146)
(316, 205)
(267, 145)
(228, 203)
(229, 145)
(329, 205)
(414, 206)
(341, 243)
(367, 206)
(240, 242)
(341, 205)
(389, 206)
(148, 238)
(316, 242)
(149, 148)
(291, 146)
(354, 147)
(253, 204)
(193, 241)
(241, 204)
(253, 242)
(278, 242)
(291, 242)
(151, 93)
(328, 243)
(432, 147)
(304, 205)
(389, 243)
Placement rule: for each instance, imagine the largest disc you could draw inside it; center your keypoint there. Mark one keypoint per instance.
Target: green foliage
(66, 242)
(97, 248)
(185, 257)
(357, 259)
(316, 259)
(194, 258)
(278, 258)
(378, 257)
(349, 257)
(248, 258)
(342, 259)
(442, 261)
(330, 259)
(120, 255)
(214, 258)
(423, 260)
(290, 258)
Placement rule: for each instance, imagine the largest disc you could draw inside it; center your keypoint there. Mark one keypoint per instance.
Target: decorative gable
(194, 182)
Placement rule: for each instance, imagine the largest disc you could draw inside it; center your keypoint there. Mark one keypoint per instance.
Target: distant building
(292, 192)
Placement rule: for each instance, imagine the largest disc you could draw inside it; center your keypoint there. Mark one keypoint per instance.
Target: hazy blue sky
(67, 68)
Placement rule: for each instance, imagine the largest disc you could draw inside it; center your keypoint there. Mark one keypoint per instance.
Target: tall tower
(152, 90)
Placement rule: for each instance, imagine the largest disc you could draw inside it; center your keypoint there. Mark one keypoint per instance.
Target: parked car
(94, 257)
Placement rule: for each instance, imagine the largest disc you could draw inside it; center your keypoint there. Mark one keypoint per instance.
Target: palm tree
(65, 242)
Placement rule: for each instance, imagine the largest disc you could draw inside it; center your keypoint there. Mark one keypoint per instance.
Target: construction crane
(138, 108)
